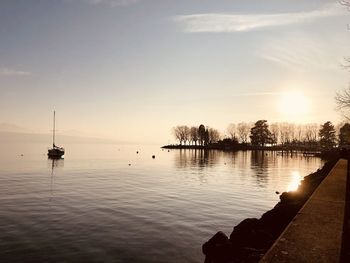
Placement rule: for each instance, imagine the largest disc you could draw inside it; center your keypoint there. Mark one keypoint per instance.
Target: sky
(130, 70)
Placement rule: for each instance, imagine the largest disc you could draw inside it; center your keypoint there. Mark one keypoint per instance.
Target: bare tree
(243, 130)
(214, 135)
(231, 130)
(177, 134)
(186, 134)
(284, 133)
(343, 98)
(182, 133)
(311, 133)
(194, 134)
(292, 132)
(275, 132)
(300, 133)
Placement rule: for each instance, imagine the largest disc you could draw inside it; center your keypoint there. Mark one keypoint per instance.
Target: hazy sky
(132, 69)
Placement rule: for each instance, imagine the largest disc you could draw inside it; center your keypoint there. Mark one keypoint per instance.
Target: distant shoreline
(246, 147)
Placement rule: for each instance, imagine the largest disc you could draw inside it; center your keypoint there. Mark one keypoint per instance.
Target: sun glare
(293, 104)
(295, 181)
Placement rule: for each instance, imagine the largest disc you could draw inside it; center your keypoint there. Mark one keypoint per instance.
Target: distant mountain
(21, 137)
(10, 127)
(10, 132)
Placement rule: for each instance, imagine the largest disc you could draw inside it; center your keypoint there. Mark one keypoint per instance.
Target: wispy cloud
(256, 94)
(111, 2)
(225, 22)
(301, 52)
(13, 72)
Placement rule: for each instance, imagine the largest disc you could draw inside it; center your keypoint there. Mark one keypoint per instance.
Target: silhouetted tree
(177, 134)
(327, 136)
(344, 135)
(187, 134)
(206, 137)
(243, 130)
(231, 130)
(311, 132)
(299, 133)
(214, 135)
(287, 133)
(201, 134)
(343, 98)
(343, 102)
(284, 135)
(260, 134)
(194, 135)
(182, 133)
(275, 131)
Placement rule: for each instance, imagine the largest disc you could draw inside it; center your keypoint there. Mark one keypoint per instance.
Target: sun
(293, 104)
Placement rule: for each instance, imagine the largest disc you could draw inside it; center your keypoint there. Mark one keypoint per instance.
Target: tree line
(196, 135)
(261, 134)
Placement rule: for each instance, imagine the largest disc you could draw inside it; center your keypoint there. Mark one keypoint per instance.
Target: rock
(216, 248)
(251, 238)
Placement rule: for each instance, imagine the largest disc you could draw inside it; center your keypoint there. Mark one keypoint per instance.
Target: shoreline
(252, 237)
(307, 151)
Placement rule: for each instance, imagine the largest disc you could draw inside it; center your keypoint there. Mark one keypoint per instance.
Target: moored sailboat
(55, 152)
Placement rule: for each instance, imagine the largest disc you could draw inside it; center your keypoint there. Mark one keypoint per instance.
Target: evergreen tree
(201, 134)
(327, 136)
(260, 134)
(206, 137)
(344, 135)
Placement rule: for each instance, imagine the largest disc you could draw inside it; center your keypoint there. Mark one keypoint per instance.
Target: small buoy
(22, 154)
(168, 150)
(153, 156)
(224, 163)
(277, 193)
(129, 164)
(137, 152)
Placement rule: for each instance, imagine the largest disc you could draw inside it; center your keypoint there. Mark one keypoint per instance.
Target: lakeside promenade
(316, 234)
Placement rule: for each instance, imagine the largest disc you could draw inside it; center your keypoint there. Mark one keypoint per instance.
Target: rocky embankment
(251, 238)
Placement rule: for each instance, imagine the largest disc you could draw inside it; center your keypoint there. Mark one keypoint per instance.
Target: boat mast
(53, 139)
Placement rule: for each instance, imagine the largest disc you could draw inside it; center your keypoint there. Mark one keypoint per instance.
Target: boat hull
(55, 153)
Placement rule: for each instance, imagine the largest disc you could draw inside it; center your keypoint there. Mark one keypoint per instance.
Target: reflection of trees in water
(196, 158)
(260, 165)
(231, 157)
(201, 158)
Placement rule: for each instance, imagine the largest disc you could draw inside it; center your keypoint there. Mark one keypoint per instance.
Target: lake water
(95, 207)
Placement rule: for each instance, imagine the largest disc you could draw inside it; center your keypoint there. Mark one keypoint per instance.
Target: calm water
(93, 206)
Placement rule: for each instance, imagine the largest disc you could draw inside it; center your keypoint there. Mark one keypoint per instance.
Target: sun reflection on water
(294, 182)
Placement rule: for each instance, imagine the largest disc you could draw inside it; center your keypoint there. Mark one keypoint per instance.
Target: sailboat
(55, 152)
